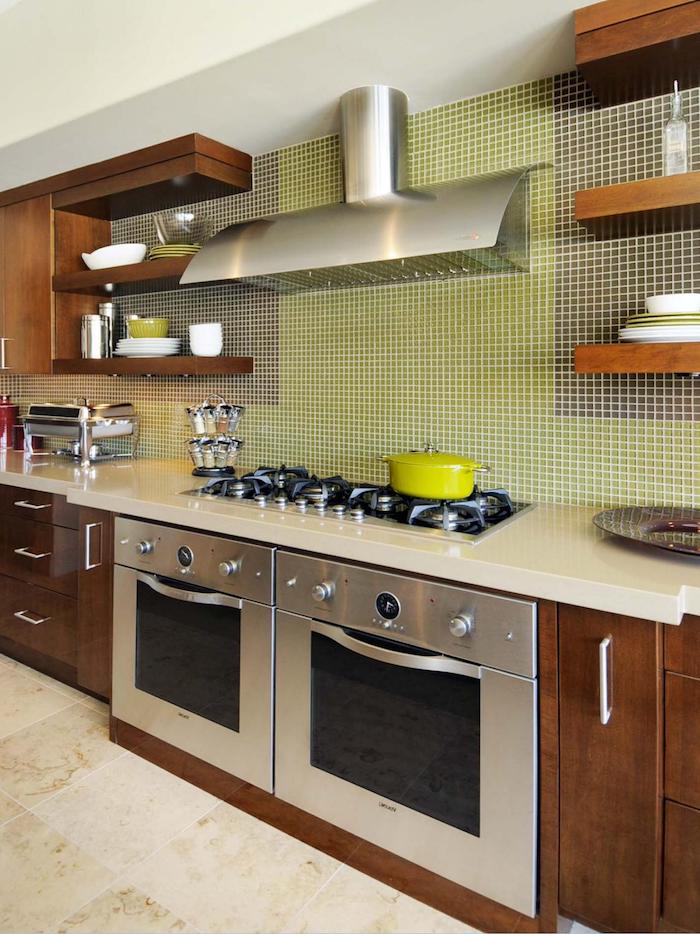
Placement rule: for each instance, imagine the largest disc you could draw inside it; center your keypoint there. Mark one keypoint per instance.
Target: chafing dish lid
(81, 410)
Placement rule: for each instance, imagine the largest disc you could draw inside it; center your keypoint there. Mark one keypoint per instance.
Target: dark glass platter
(670, 527)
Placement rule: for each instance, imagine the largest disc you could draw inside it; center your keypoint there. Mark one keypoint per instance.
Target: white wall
(63, 59)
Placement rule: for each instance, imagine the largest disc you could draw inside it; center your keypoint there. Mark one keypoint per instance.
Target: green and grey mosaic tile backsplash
(480, 366)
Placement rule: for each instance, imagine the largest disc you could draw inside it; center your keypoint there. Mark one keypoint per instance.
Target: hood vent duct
(384, 232)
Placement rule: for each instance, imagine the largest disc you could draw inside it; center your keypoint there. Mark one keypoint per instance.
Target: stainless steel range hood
(384, 232)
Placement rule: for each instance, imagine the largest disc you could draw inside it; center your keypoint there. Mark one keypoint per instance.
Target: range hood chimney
(373, 141)
(384, 232)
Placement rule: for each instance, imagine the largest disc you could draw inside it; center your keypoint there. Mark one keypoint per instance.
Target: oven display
(388, 605)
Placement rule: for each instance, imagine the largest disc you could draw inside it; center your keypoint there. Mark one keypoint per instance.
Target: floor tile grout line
(75, 784)
(69, 703)
(46, 681)
(289, 925)
(121, 878)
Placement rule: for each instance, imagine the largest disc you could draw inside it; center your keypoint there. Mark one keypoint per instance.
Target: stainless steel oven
(406, 712)
(194, 643)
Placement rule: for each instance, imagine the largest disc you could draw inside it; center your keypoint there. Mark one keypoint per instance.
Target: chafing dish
(82, 424)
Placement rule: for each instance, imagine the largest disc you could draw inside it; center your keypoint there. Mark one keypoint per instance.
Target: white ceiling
(287, 91)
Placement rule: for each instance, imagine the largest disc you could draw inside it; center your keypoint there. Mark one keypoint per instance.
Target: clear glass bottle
(676, 137)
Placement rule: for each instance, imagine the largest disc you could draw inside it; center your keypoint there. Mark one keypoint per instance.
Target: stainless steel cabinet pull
(605, 671)
(3, 353)
(23, 615)
(26, 553)
(88, 545)
(25, 505)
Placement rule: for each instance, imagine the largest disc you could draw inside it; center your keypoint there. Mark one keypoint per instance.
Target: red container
(8, 420)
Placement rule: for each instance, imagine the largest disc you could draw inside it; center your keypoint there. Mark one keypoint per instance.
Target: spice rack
(213, 446)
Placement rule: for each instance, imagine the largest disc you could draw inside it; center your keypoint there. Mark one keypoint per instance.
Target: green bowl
(149, 327)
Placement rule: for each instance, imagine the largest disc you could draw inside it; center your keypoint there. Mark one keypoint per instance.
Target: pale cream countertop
(552, 552)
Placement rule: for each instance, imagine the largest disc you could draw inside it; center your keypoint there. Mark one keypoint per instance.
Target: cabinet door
(27, 299)
(682, 867)
(610, 794)
(95, 601)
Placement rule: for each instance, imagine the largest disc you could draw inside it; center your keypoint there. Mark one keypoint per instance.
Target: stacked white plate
(148, 347)
(669, 318)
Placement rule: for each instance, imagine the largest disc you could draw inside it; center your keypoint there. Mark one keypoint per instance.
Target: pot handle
(482, 468)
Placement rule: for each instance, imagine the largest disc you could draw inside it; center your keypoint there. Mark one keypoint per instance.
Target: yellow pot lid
(432, 458)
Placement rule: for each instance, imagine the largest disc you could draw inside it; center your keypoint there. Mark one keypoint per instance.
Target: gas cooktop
(297, 490)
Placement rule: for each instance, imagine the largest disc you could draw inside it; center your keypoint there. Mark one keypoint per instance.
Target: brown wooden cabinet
(56, 587)
(26, 299)
(610, 779)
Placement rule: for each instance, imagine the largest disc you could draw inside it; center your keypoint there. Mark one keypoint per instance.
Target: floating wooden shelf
(652, 205)
(182, 171)
(155, 366)
(155, 275)
(630, 49)
(638, 358)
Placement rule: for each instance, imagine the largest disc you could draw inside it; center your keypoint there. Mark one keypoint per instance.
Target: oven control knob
(462, 625)
(227, 568)
(322, 591)
(144, 548)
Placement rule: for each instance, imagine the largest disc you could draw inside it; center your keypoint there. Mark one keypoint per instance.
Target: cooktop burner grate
(306, 493)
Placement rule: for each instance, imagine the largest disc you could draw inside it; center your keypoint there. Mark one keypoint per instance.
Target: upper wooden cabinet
(610, 792)
(180, 171)
(630, 49)
(26, 299)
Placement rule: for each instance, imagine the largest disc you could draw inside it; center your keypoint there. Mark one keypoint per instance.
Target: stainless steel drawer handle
(605, 671)
(89, 563)
(24, 615)
(25, 505)
(26, 553)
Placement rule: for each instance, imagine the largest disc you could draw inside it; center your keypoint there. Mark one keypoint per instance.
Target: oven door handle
(403, 659)
(188, 596)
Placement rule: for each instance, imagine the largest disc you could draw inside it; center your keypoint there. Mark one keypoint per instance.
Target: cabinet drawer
(46, 555)
(681, 892)
(683, 739)
(682, 647)
(41, 507)
(39, 619)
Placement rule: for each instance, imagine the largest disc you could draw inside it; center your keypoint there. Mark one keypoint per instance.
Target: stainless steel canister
(95, 337)
(108, 310)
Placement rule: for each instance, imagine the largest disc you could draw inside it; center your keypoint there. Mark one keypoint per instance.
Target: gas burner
(279, 477)
(379, 501)
(319, 492)
(452, 515)
(473, 515)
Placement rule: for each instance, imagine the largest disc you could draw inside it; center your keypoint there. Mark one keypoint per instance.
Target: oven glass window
(189, 654)
(409, 735)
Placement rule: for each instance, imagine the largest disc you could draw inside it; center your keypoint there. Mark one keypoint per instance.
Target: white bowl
(119, 254)
(673, 304)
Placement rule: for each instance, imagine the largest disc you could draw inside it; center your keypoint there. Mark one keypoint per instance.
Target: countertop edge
(540, 585)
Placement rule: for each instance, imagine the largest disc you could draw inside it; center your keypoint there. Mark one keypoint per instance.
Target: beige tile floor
(94, 839)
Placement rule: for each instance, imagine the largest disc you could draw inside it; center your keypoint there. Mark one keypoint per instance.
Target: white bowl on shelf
(118, 254)
(680, 303)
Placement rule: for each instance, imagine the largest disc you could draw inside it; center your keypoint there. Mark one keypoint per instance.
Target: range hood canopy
(384, 232)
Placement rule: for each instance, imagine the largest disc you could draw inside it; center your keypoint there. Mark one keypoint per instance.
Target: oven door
(194, 668)
(429, 757)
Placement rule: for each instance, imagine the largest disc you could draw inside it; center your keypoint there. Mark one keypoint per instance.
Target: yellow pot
(430, 474)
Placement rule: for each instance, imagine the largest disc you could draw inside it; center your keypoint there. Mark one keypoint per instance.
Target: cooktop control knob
(462, 625)
(145, 548)
(227, 568)
(323, 591)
